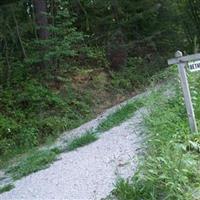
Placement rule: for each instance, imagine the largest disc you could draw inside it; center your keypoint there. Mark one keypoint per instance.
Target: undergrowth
(170, 169)
(32, 113)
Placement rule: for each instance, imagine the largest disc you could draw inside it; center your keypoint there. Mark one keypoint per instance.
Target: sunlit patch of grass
(82, 141)
(120, 115)
(6, 188)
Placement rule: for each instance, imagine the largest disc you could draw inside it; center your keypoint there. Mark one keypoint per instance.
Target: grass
(36, 161)
(82, 141)
(170, 169)
(41, 159)
(120, 115)
(6, 188)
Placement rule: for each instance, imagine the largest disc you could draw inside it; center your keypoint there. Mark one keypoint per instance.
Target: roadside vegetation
(6, 188)
(170, 168)
(82, 141)
(35, 161)
(124, 113)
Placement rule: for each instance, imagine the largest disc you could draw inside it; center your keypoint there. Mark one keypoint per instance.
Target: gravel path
(89, 172)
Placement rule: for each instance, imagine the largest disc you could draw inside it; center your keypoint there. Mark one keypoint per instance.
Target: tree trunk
(41, 20)
(40, 7)
(18, 34)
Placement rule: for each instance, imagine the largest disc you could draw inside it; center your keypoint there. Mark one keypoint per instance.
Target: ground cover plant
(35, 161)
(122, 114)
(6, 188)
(170, 168)
(82, 141)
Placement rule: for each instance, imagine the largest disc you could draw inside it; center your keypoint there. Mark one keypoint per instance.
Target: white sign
(194, 66)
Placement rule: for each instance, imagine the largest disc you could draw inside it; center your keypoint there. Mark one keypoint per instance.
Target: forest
(63, 62)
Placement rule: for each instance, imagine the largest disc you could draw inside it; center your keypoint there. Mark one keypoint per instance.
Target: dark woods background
(61, 59)
(50, 33)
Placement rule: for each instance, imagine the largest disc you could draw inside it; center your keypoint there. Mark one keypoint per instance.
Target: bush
(9, 131)
(32, 112)
(131, 76)
(33, 97)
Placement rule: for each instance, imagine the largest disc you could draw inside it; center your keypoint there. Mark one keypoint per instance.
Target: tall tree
(190, 17)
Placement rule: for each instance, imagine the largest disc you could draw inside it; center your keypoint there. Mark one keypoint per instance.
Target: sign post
(182, 61)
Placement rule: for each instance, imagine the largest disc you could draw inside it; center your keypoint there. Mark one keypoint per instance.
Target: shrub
(31, 113)
(131, 76)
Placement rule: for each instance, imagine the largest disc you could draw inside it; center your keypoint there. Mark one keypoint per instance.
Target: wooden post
(186, 92)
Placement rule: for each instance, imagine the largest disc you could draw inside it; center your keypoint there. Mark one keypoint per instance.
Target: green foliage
(190, 17)
(82, 141)
(137, 73)
(144, 20)
(93, 56)
(30, 113)
(124, 113)
(64, 41)
(170, 169)
(36, 161)
(128, 78)
(6, 188)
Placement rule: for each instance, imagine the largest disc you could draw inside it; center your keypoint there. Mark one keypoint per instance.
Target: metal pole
(186, 93)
